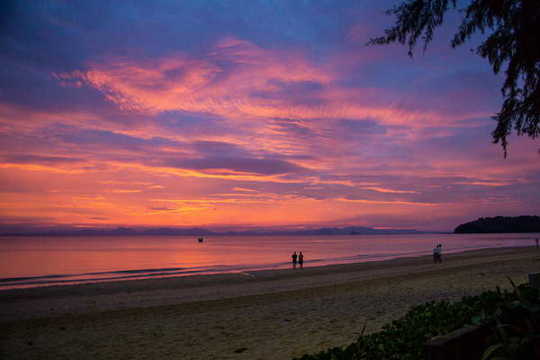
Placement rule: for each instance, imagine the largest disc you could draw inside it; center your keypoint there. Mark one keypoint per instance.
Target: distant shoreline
(224, 234)
(501, 225)
(328, 231)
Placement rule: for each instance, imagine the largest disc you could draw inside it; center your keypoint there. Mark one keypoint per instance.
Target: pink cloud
(227, 80)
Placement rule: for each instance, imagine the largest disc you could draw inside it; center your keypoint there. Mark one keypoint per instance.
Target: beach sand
(277, 314)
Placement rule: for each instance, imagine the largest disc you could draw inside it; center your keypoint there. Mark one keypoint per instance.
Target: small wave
(60, 276)
(15, 279)
(134, 271)
(41, 280)
(129, 274)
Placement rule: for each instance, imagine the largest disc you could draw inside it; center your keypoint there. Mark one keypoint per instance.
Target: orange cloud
(391, 191)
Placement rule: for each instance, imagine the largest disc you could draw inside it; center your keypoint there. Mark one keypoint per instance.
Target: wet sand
(275, 314)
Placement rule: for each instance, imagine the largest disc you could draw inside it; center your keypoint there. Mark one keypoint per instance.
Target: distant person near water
(437, 254)
(301, 260)
(294, 257)
(536, 242)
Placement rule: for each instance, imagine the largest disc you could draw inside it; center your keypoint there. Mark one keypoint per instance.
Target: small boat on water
(201, 239)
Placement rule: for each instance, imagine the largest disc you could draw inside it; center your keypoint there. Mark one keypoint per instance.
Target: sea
(45, 261)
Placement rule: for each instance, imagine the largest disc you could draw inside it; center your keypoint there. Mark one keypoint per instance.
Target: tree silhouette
(512, 41)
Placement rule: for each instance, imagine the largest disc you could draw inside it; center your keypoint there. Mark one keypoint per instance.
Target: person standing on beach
(437, 254)
(294, 257)
(536, 242)
(301, 260)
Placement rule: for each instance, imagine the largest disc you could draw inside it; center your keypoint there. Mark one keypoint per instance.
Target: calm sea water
(43, 261)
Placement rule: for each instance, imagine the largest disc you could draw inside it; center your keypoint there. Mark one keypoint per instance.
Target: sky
(241, 114)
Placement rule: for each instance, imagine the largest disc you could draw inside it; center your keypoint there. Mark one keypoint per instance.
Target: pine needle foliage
(511, 43)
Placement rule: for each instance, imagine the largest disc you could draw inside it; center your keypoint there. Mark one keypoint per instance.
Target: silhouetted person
(301, 260)
(294, 257)
(437, 254)
(536, 242)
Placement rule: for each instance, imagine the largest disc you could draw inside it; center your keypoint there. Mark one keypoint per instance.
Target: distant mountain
(350, 230)
(501, 224)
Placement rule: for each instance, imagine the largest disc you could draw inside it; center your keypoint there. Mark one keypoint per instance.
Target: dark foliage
(515, 327)
(512, 30)
(501, 224)
(404, 339)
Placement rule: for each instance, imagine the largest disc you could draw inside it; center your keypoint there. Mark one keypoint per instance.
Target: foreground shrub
(404, 339)
(516, 327)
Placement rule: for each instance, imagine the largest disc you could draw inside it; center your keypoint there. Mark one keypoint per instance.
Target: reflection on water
(38, 261)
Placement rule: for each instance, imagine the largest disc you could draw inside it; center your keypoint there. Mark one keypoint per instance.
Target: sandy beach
(276, 314)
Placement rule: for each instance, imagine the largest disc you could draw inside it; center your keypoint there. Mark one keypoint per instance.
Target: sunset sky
(236, 114)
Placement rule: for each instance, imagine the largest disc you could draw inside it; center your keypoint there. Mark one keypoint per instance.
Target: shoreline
(38, 284)
(289, 279)
(114, 270)
(274, 314)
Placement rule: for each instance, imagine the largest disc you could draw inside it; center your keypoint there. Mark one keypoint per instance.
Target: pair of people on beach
(437, 254)
(297, 258)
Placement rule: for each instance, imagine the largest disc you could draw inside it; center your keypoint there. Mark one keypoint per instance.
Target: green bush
(404, 338)
(515, 327)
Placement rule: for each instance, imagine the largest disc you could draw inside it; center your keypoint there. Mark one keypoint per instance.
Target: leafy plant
(516, 327)
(404, 338)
